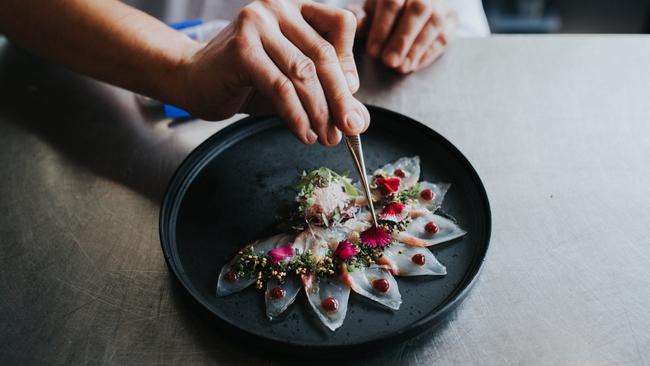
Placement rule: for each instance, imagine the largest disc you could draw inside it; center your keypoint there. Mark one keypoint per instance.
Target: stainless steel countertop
(558, 128)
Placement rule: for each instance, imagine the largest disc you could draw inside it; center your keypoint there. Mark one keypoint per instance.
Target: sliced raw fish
(417, 211)
(311, 240)
(439, 190)
(279, 296)
(229, 283)
(358, 224)
(320, 240)
(284, 240)
(328, 297)
(409, 166)
(406, 260)
(417, 235)
(283, 251)
(362, 217)
(375, 283)
(355, 226)
(333, 235)
(302, 242)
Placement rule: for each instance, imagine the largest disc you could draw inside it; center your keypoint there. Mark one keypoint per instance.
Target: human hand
(296, 53)
(406, 34)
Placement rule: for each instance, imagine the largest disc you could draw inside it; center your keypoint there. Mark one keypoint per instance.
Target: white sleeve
(472, 21)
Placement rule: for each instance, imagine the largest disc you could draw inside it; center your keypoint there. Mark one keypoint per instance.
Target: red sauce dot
(399, 173)
(277, 293)
(419, 259)
(231, 277)
(330, 304)
(431, 227)
(426, 194)
(381, 285)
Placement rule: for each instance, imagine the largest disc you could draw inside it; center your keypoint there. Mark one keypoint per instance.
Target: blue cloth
(175, 112)
(170, 110)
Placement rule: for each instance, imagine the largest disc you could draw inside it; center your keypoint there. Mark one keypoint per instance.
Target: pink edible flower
(393, 211)
(280, 253)
(387, 185)
(375, 237)
(345, 250)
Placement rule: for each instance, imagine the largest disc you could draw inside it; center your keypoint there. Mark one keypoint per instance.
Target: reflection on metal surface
(99, 127)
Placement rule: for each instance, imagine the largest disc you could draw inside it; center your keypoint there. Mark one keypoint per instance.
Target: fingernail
(333, 136)
(354, 121)
(311, 136)
(392, 59)
(353, 81)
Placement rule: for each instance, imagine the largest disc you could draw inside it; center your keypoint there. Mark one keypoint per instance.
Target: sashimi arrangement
(333, 246)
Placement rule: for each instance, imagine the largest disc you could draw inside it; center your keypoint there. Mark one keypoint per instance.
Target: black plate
(228, 191)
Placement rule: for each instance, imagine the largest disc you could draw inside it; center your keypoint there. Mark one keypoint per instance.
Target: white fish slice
(410, 167)
(302, 242)
(439, 191)
(333, 235)
(279, 296)
(320, 240)
(353, 227)
(312, 240)
(358, 224)
(227, 284)
(320, 291)
(417, 235)
(406, 260)
(362, 281)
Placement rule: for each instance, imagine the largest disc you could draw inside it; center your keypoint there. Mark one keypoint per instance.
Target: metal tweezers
(354, 145)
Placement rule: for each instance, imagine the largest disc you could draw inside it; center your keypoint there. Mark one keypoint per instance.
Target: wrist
(179, 85)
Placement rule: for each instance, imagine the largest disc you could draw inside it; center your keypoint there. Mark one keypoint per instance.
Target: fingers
(415, 15)
(302, 73)
(369, 7)
(422, 43)
(361, 16)
(364, 16)
(437, 47)
(384, 18)
(402, 31)
(308, 77)
(347, 113)
(433, 53)
(339, 27)
(273, 83)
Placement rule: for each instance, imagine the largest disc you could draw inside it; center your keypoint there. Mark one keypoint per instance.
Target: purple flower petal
(345, 250)
(375, 237)
(280, 253)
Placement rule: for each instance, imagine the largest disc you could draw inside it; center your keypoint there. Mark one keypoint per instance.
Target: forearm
(105, 39)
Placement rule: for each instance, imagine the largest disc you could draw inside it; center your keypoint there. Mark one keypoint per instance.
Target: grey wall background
(568, 16)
